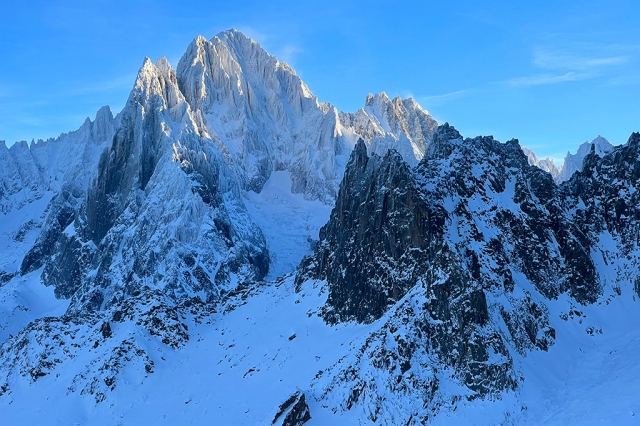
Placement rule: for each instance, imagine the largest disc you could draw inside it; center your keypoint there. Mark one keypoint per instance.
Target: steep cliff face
(195, 139)
(603, 198)
(398, 124)
(488, 242)
(261, 116)
(574, 162)
(156, 213)
(377, 240)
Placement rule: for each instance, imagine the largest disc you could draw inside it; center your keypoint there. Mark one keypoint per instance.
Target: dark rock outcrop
(438, 250)
(376, 243)
(293, 412)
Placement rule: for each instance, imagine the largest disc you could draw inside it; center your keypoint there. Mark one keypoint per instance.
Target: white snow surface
(289, 222)
(240, 365)
(573, 162)
(288, 152)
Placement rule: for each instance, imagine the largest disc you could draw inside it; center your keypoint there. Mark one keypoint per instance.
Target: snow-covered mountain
(170, 264)
(546, 164)
(384, 124)
(573, 162)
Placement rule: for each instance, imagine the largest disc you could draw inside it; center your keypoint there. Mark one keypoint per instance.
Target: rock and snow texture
(29, 172)
(185, 155)
(573, 162)
(215, 175)
(399, 124)
(474, 250)
(546, 164)
(447, 273)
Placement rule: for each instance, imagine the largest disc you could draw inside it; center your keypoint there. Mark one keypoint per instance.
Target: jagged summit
(438, 270)
(399, 124)
(546, 164)
(573, 162)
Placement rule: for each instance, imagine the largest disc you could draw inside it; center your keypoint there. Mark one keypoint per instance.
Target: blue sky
(552, 74)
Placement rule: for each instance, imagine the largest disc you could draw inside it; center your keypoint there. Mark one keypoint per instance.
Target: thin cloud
(542, 79)
(287, 53)
(546, 59)
(443, 98)
(252, 33)
(580, 62)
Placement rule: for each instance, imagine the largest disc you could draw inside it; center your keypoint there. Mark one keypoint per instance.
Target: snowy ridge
(497, 288)
(188, 276)
(384, 124)
(572, 162)
(261, 116)
(546, 164)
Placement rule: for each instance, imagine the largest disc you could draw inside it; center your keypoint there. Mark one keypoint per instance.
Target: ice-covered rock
(398, 124)
(261, 116)
(472, 242)
(573, 162)
(546, 164)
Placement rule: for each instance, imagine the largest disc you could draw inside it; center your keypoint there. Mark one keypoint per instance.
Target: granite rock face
(293, 412)
(459, 270)
(378, 228)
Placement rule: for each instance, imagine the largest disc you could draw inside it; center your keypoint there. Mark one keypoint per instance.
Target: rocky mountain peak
(573, 162)
(442, 141)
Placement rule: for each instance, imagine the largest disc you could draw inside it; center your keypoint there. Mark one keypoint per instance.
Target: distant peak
(233, 32)
(163, 63)
(378, 97)
(146, 63)
(104, 113)
(369, 100)
(199, 39)
(234, 35)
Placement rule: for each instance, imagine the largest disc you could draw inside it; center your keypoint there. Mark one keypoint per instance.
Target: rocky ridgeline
(161, 205)
(457, 258)
(147, 209)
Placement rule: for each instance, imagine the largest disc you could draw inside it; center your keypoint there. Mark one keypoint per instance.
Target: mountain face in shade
(228, 248)
(431, 252)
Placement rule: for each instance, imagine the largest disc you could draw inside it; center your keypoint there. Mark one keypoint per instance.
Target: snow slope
(156, 265)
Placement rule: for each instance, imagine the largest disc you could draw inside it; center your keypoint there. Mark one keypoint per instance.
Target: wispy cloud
(558, 60)
(276, 45)
(253, 33)
(541, 79)
(287, 53)
(576, 62)
(436, 100)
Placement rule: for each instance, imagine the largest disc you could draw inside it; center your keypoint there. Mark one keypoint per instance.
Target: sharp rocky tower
(227, 234)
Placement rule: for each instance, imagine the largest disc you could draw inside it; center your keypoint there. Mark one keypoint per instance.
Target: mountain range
(229, 249)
